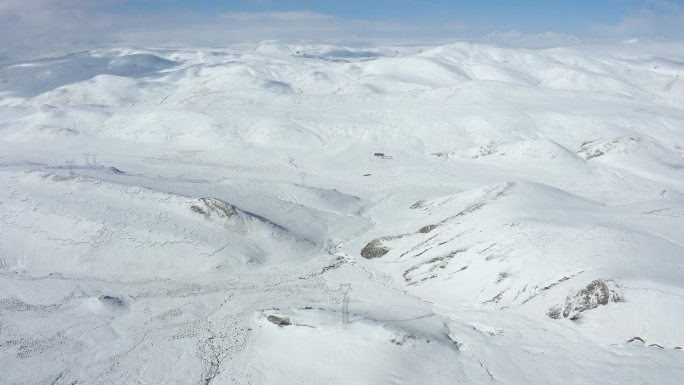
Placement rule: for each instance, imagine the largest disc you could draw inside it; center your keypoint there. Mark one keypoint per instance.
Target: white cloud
(47, 27)
(657, 18)
(540, 40)
(30, 25)
(50, 26)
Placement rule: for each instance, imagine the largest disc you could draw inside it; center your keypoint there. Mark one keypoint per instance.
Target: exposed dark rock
(554, 313)
(597, 293)
(400, 340)
(495, 299)
(111, 302)
(374, 249)
(427, 229)
(502, 276)
(339, 261)
(280, 321)
(594, 149)
(435, 263)
(213, 207)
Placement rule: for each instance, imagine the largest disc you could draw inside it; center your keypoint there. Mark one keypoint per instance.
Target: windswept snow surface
(186, 216)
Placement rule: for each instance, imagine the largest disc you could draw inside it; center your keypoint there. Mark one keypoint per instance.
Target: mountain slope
(187, 215)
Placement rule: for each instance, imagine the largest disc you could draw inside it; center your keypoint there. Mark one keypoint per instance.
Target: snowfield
(186, 216)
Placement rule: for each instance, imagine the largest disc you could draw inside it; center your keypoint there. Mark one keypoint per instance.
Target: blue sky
(27, 25)
(531, 16)
(520, 10)
(383, 8)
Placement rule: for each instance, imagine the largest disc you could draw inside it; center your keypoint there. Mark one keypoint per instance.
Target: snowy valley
(186, 216)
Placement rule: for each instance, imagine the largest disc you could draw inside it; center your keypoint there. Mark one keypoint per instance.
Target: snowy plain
(186, 216)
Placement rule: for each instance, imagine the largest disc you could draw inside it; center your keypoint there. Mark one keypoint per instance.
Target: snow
(160, 208)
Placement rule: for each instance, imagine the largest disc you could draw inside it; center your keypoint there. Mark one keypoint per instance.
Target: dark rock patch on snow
(597, 293)
(213, 207)
(111, 302)
(280, 321)
(374, 249)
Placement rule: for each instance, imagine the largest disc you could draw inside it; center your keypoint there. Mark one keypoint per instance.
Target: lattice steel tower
(345, 288)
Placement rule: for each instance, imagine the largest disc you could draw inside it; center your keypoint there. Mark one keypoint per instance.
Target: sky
(39, 25)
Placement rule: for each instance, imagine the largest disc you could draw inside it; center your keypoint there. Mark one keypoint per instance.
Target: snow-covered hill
(504, 215)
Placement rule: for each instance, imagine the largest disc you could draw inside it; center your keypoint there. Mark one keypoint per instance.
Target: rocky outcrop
(597, 293)
(213, 207)
(374, 249)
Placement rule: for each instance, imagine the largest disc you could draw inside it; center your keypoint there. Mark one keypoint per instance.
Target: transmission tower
(345, 288)
(70, 166)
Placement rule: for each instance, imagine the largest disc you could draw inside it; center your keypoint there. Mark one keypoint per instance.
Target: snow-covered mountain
(186, 216)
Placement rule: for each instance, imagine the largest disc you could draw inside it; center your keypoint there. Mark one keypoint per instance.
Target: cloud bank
(42, 27)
